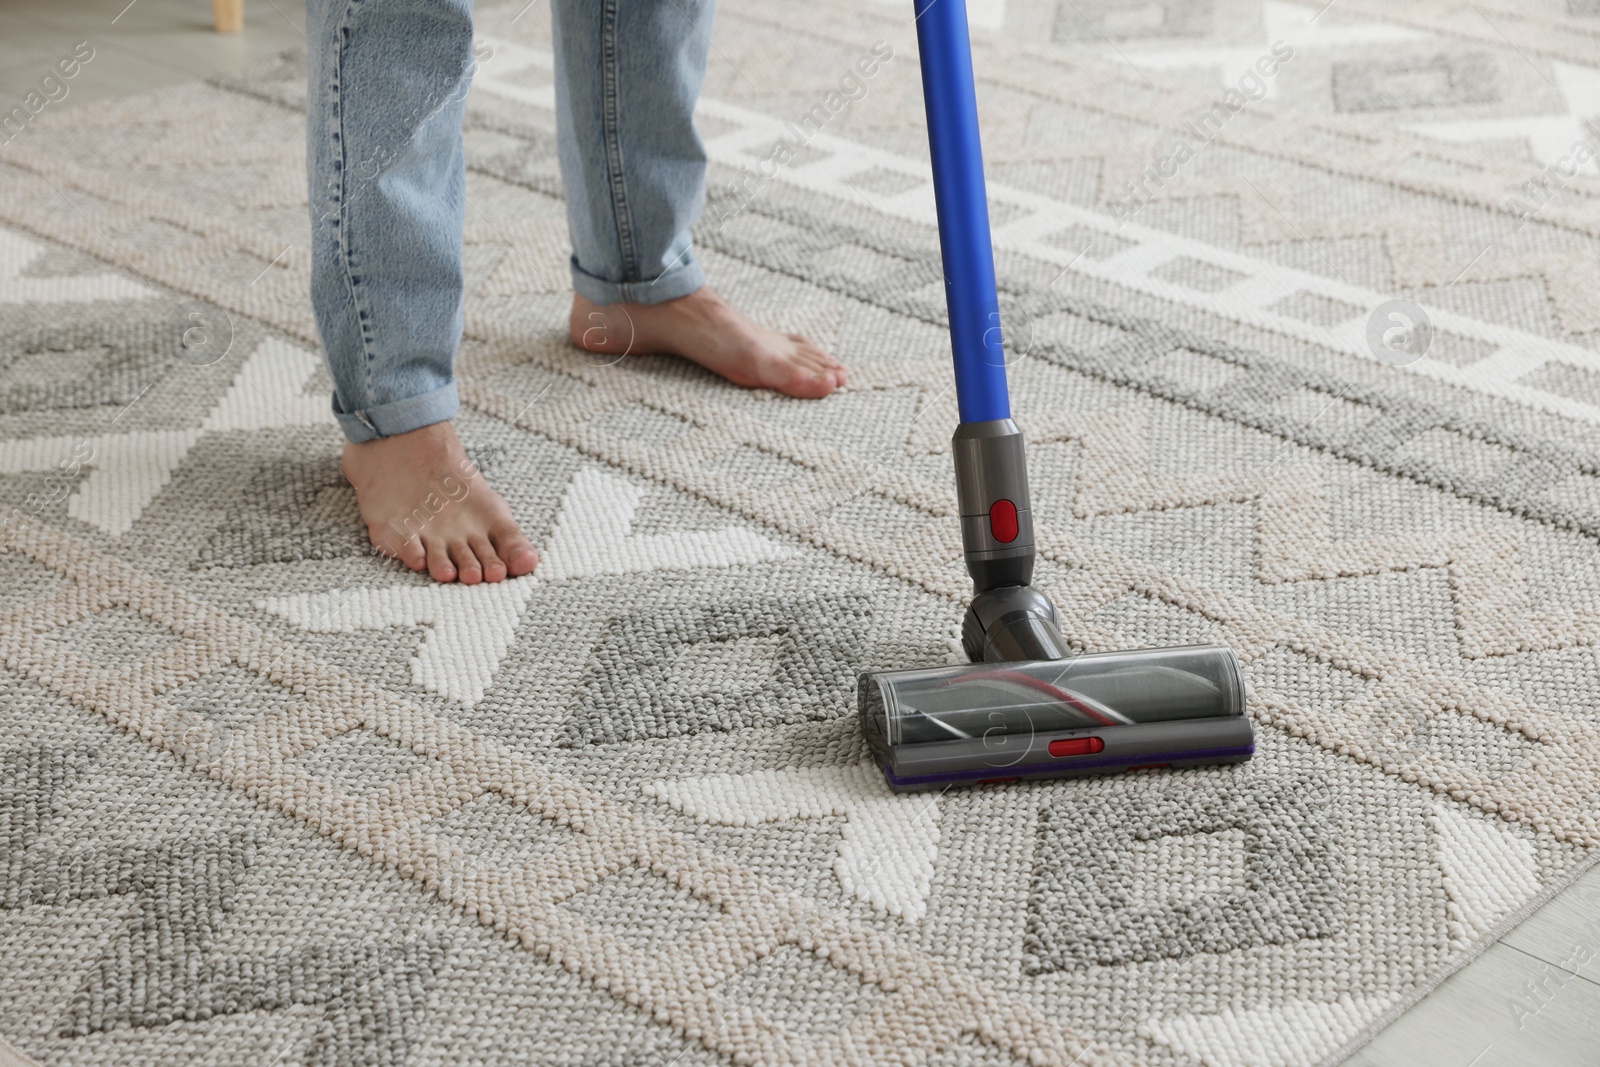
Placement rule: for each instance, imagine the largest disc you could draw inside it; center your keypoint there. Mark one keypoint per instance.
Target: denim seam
(363, 316)
(611, 122)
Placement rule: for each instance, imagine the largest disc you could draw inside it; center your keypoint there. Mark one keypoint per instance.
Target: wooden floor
(138, 46)
(1531, 1000)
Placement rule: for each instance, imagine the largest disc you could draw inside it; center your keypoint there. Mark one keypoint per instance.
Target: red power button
(1003, 521)
(1076, 746)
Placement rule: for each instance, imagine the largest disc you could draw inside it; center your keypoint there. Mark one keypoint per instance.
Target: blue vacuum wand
(1033, 709)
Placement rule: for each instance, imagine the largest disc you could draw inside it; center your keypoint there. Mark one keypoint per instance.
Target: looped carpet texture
(268, 798)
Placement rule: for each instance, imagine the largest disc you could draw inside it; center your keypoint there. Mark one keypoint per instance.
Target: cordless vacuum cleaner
(1028, 707)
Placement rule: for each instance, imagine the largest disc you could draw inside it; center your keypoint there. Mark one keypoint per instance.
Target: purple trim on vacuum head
(1072, 764)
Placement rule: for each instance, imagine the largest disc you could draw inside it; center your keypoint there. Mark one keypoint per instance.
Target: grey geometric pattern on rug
(292, 509)
(46, 369)
(118, 636)
(795, 986)
(161, 969)
(1189, 866)
(643, 909)
(757, 663)
(232, 698)
(360, 762)
(1093, 20)
(33, 782)
(529, 902)
(1255, 390)
(504, 833)
(1444, 80)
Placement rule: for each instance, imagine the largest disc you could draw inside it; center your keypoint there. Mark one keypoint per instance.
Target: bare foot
(426, 504)
(707, 329)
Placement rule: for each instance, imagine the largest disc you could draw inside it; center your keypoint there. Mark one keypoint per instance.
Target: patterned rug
(269, 799)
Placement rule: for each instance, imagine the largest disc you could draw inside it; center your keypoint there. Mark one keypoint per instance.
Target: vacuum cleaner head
(1089, 714)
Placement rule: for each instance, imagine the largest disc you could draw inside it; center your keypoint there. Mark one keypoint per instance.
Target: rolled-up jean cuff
(398, 416)
(684, 278)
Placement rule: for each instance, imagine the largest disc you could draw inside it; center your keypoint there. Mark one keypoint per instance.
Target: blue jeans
(387, 92)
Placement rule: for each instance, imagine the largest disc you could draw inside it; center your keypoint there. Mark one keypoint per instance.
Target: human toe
(468, 570)
(440, 569)
(519, 556)
(409, 552)
(806, 383)
(494, 568)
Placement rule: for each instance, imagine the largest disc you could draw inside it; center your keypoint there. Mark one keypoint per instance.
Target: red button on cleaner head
(1076, 746)
(1003, 521)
